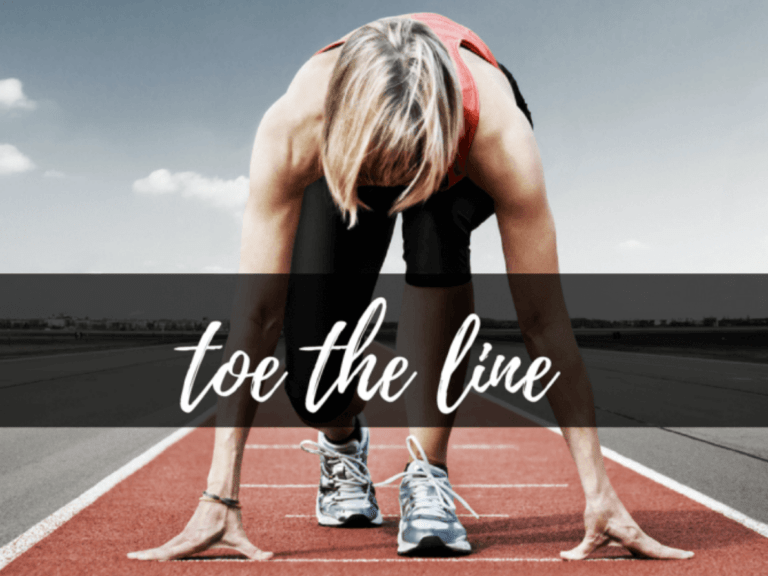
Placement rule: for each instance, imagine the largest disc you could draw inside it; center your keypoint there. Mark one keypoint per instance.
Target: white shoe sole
(431, 544)
(325, 520)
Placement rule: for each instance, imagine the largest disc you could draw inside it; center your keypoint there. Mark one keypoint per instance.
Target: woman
(409, 114)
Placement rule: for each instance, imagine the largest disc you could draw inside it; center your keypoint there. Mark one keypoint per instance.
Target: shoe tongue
(351, 447)
(338, 471)
(436, 472)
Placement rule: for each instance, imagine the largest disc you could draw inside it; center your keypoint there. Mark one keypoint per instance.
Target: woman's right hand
(607, 522)
(213, 525)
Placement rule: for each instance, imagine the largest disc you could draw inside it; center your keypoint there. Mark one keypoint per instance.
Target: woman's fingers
(238, 541)
(585, 548)
(246, 549)
(183, 549)
(646, 547)
(636, 541)
(201, 534)
(255, 554)
(168, 551)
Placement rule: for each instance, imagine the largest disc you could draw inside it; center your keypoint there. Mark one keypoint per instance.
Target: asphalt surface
(42, 469)
(729, 464)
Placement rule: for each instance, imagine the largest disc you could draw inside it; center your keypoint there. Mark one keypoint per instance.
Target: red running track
(530, 500)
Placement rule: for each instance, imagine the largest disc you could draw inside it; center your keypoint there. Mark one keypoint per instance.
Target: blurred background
(126, 128)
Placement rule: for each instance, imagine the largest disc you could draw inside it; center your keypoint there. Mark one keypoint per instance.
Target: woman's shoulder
(295, 120)
(304, 100)
(487, 77)
(504, 137)
(498, 107)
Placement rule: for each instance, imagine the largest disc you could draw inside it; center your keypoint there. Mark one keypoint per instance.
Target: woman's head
(393, 114)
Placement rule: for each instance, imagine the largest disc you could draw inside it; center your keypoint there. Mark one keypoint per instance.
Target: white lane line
(759, 527)
(32, 357)
(714, 505)
(273, 446)
(17, 547)
(671, 357)
(585, 352)
(14, 549)
(392, 446)
(303, 516)
(394, 560)
(279, 486)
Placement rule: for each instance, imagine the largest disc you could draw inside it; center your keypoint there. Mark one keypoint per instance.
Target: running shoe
(346, 496)
(429, 524)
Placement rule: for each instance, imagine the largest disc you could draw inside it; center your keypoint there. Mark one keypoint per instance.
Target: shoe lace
(420, 478)
(357, 476)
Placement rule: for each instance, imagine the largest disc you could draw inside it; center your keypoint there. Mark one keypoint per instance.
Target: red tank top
(454, 35)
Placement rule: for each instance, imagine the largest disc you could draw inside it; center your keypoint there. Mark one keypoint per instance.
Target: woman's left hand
(607, 522)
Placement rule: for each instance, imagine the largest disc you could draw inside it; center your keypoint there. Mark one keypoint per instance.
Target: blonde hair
(393, 114)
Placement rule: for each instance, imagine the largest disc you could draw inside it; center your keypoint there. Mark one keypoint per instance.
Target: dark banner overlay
(149, 350)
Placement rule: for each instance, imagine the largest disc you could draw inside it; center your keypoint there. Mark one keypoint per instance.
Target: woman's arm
(283, 163)
(269, 226)
(505, 162)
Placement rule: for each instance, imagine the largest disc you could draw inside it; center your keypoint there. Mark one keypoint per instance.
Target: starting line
(398, 515)
(393, 486)
(391, 447)
(395, 560)
(25, 541)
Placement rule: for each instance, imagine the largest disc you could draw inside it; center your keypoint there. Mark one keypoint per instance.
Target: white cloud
(12, 95)
(13, 161)
(222, 194)
(53, 174)
(632, 246)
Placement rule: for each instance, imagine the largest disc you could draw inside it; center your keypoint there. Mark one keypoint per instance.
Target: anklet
(228, 502)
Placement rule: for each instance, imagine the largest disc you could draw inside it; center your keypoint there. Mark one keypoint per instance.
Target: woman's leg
(333, 274)
(430, 318)
(437, 300)
(436, 237)
(435, 304)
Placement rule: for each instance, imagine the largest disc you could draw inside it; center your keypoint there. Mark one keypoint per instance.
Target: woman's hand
(213, 525)
(607, 522)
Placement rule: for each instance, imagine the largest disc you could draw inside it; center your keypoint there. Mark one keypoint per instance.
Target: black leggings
(334, 269)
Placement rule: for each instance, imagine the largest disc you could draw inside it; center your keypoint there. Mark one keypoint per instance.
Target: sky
(126, 127)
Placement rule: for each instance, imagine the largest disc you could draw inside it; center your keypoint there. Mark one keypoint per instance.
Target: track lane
(675, 458)
(525, 527)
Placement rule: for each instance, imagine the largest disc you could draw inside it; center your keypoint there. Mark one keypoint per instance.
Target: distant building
(56, 323)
